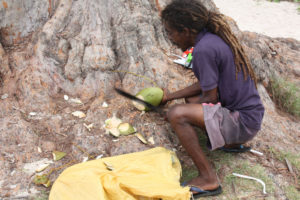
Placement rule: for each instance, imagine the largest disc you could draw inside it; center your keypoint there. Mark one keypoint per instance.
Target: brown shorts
(224, 127)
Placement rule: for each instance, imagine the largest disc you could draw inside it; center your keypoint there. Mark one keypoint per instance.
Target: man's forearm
(189, 91)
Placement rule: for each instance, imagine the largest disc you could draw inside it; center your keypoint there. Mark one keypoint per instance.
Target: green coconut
(152, 95)
(126, 129)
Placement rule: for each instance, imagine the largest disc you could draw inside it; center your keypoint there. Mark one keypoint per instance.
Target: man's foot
(204, 183)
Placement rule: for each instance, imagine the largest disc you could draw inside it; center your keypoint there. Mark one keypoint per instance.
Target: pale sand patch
(261, 16)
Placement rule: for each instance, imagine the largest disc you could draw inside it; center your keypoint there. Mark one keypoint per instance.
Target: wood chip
(233, 188)
(289, 165)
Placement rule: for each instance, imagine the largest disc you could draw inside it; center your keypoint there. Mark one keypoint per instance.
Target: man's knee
(175, 114)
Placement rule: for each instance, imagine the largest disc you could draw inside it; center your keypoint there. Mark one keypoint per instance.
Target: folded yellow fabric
(146, 175)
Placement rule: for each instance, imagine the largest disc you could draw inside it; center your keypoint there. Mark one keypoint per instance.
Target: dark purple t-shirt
(213, 65)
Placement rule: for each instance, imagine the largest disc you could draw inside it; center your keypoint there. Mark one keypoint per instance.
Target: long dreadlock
(191, 14)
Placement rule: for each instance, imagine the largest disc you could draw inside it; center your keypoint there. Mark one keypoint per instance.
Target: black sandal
(238, 149)
(205, 193)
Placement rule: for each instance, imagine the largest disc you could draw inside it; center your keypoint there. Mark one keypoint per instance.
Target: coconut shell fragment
(126, 129)
(141, 138)
(57, 155)
(42, 180)
(108, 166)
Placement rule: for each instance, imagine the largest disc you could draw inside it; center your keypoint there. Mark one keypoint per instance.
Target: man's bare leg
(182, 117)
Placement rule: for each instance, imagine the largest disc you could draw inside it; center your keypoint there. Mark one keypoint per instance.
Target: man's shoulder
(211, 43)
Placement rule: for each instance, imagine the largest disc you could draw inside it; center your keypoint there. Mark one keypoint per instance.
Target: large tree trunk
(82, 49)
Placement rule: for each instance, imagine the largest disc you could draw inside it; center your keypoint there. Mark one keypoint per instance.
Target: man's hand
(165, 98)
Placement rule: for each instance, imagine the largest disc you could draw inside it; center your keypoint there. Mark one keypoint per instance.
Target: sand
(265, 17)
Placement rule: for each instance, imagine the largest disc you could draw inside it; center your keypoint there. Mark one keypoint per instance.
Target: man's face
(177, 38)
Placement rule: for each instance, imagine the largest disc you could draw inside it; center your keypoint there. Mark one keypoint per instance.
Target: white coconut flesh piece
(111, 126)
(126, 129)
(113, 122)
(114, 131)
(138, 105)
(78, 114)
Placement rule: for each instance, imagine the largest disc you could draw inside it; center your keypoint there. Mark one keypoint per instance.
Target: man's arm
(192, 90)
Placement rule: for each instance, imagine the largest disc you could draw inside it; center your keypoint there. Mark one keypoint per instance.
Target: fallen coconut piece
(47, 184)
(141, 137)
(66, 97)
(78, 114)
(32, 113)
(4, 96)
(57, 155)
(31, 168)
(151, 140)
(42, 180)
(104, 105)
(152, 95)
(111, 126)
(85, 159)
(126, 129)
(252, 178)
(77, 101)
(114, 131)
(42, 167)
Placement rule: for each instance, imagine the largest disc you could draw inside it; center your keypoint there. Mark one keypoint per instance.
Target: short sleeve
(205, 68)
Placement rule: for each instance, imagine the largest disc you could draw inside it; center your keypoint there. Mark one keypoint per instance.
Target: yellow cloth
(146, 175)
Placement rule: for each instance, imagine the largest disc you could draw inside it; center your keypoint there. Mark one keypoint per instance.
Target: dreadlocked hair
(191, 14)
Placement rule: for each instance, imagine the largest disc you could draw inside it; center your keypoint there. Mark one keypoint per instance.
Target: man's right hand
(165, 98)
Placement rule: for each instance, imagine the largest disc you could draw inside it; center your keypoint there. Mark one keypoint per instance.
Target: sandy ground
(265, 17)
